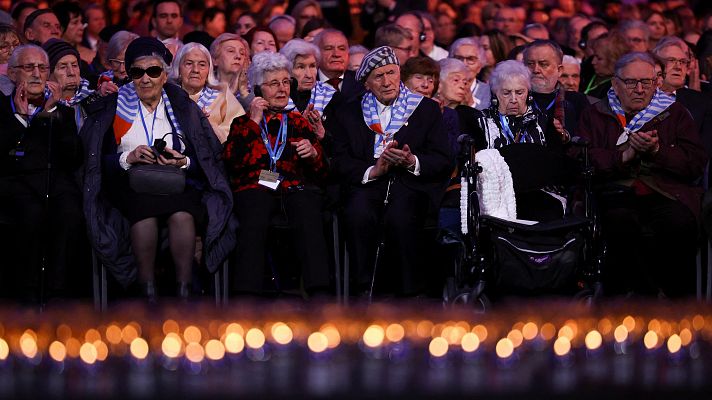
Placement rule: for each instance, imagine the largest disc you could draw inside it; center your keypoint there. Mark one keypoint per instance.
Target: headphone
(494, 103)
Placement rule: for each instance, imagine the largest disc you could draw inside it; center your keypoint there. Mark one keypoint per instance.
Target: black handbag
(156, 179)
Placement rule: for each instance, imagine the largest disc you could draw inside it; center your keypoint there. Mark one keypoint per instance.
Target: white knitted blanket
(495, 188)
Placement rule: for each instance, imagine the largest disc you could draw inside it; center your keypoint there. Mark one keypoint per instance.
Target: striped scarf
(659, 103)
(207, 97)
(321, 95)
(401, 110)
(127, 108)
(82, 93)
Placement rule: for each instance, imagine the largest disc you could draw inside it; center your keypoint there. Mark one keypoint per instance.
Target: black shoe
(183, 290)
(148, 289)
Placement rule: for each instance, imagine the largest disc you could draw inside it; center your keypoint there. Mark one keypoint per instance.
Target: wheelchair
(495, 258)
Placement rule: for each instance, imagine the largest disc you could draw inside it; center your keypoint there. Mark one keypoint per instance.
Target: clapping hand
(314, 118)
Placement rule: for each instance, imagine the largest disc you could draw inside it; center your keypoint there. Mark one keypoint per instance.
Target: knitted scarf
(127, 106)
(402, 108)
(82, 93)
(321, 95)
(660, 102)
(207, 97)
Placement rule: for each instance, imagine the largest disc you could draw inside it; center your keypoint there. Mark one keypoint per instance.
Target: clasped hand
(392, 156)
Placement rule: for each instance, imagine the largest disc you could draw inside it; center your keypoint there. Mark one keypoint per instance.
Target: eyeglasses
(681, 61)
(467, 59)
(152, 72)
(31, 67)
(8, 47)
(633, 83)
(406, 49)
(274, 85)
(116, 64)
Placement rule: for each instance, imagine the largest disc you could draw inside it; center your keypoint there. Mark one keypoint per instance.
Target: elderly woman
(193, 71)
(311, 97)
(454, 78)
(511, 120)
(230, 58)
(8, 42)
(607, 49)
(115, 54)
(153, 123)
(261, 39)
(275, 165)
(472, 54)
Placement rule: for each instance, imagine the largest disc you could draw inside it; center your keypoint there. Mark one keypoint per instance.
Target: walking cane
(382, 237)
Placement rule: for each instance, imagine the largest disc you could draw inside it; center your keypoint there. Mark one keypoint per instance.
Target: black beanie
(56, 49)
(146, 46)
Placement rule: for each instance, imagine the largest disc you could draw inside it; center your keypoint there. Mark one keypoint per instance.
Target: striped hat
(376, 58)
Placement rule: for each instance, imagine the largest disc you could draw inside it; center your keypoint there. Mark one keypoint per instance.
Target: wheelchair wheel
(452, 296)
(586, 297)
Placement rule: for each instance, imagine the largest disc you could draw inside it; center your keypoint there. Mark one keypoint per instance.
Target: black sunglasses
(153, 72)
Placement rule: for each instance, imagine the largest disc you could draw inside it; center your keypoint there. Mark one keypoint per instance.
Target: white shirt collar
(324, 78)
(160, 110)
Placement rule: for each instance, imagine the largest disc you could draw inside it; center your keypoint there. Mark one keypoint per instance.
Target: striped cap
(376, 58)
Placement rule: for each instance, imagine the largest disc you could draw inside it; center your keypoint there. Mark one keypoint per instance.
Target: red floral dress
(245, 154)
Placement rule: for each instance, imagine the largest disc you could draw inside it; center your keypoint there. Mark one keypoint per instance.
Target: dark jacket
(109, 231)
(424, 132)
(700, 107)
(674, 169)
(64, 151)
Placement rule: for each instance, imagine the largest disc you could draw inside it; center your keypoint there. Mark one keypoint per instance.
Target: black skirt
(136, 207)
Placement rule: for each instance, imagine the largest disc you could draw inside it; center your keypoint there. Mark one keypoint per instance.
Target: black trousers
(255, 209)
(399, 223)
(36, 231)
(652, 244)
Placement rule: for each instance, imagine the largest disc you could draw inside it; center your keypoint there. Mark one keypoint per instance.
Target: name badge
(269, 179)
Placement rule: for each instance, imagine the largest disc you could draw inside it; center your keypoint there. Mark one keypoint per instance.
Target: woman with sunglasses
(275, 164)
(155, 123)
(193, 71)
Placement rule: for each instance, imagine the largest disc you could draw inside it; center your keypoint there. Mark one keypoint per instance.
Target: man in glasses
(153, 123)
(40, 152)
(676, 59)
(646, 150)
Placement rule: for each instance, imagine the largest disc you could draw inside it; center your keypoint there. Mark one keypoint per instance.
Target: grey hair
(451, 65)
(673, 41)
(118, 42)
(299, 47)
(508, 70)
(282, 17)
(157, 56)
(545, 43)
(266, 61)
(570, 60)
(469, 41)
(175, 65)
(634, 24)
(630, 58)
(14, 60)
(328, 31)
(357, 49)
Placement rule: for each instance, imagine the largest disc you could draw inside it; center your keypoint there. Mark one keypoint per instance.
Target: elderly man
(42, 25)
(389, 147)
(676, 57)
(647, 154)
(570, 73)
(333, 63)
(155, 123)
(558, 110)
(40, 153)
(411, 22)
(471, 52)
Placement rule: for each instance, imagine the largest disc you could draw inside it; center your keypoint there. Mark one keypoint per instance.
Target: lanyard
(547, 107)
(145, 129)
(275, 152)
(29, 117)
(590, 87)
(504, 121)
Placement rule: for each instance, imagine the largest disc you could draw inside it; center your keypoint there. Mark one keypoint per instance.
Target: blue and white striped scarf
(82, 93)
(659, 103)
(127, 107)
(402, 108)
(207, 97)
(321, 95)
